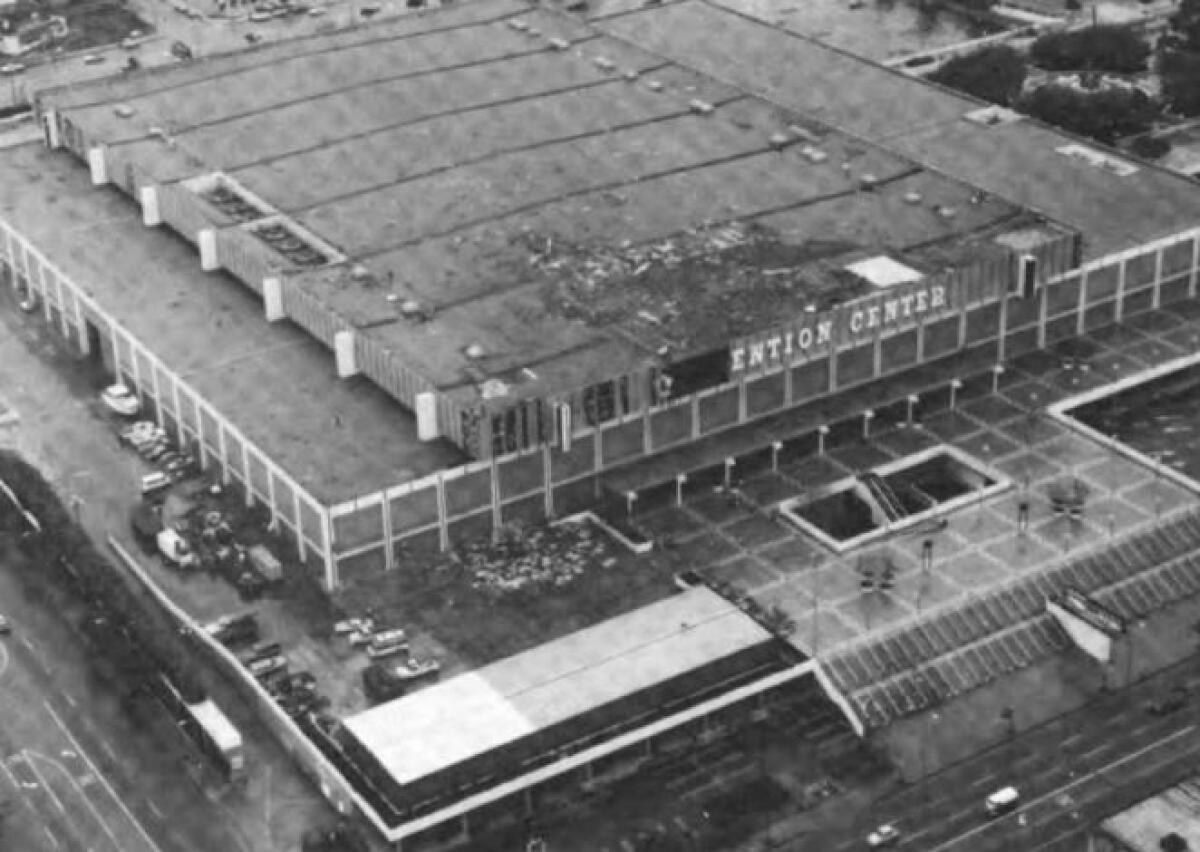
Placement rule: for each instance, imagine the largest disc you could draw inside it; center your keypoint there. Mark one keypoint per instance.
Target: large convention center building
(415, 281)
(493, 263)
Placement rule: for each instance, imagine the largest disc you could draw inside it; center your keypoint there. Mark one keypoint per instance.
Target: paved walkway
(744, 544)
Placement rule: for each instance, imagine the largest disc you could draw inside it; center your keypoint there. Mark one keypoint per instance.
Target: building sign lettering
(782, 345)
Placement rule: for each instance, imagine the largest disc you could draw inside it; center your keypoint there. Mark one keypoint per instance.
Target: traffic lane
(59, 761)
(1095, 792)
(42, 825)
(935, 810)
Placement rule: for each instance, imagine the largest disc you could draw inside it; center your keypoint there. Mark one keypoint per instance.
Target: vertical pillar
(271, 499)
(547, 481)
(920, 341)
(297, 510)
(206, 242)
(822, 432)
(962, 324)
(788, 397)
(494, 488)
(222, 445)
(151, 216)
(246, 474)
(1119, 309)
(332, 580)
(201, 448)
(1043, 308)
(832, 384)
(85, 345)
(743, 406)
(1081, 318)
(695, 409)
(385, 508)
(680, 481)
(1156, 293)
(135, 363)
(877, 356)
(647, 433)
(1195, 270)
(443, 522)
(97, 165)
(867, 417)
(1003, 328)
(62, 304)
(180, 437)
(116, 347)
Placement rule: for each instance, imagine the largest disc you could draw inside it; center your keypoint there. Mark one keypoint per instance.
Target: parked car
(5, 626)
(885, 835)
(145, 522)
(10, 68)
(354, 625)
(176, 550)
(267, 666)
(155, 485)
(415, 669)
(121, 400)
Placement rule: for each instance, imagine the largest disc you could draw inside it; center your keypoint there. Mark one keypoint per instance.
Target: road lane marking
(1049, 796)
(69, 697)
(53, 839)
(103, 781)
(107, 749)
(91, 806)
(154, 809)
(45, 784)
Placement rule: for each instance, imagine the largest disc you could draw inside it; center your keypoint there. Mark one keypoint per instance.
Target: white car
(885, 835)
(121, 399)
(11, 68)
(175, 549)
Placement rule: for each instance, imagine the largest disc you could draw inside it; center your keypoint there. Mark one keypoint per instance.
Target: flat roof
(274, 382)
(1017, 160)
(1142, 826)
(217, 724)
(451, 722)
(571, 207)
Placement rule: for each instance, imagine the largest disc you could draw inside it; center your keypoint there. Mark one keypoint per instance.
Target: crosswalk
(960, 649)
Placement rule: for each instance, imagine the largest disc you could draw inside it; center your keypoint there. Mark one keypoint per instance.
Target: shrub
(993, 74)
(1105, 116)
(1185, 24)
(1180, 72)
(1150, 147)
(1108, 47)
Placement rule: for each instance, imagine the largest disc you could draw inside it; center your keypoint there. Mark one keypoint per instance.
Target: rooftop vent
(803, 133)
(603, 63)
(814, 155)
(912, 197)
(533, 32)
(518, 24)
(559, 43)
(992, 116)
(124, 110)
(700, 107)
(654, 85)
(413, 310)
(474, 352)
(947, 212)
(779, 141)
(233, 204)
(868, 181)
(360, 272)
(297, 250)
(632, 74)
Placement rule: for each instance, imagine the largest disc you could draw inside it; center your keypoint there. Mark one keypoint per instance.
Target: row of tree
(998, 74)
(132, 638)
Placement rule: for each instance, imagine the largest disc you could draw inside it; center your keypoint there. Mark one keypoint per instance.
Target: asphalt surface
(1072, 772)
(83, 770)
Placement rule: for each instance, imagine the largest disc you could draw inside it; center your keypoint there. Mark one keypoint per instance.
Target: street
(1071, 772)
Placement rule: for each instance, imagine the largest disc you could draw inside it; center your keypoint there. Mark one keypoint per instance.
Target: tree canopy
(994, 74)
(1108, 47)
(1185, 24)
(1180, 72)
(1105, 116)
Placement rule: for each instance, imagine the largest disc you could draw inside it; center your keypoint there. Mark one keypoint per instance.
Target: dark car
(1167, 704)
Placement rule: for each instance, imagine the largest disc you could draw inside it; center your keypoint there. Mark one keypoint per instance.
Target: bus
(208, 729)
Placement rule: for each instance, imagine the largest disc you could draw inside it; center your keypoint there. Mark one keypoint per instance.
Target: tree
(1186, 24)
(1180, 73)
(1150, 147)
(993, 74)
(1109, 47)
(1105, 116)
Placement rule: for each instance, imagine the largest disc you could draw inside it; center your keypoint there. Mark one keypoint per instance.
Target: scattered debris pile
(706, 284)
(525, 557)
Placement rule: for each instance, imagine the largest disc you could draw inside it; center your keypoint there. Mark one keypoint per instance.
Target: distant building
(1167, 822)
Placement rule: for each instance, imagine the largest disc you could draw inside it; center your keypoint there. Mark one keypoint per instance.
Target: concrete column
(443, 524)
(1156, 297)
(1081, 318)
(547, 481)
(206, 240)
(273, 299)
(1119, 310)
(332, 580)
(50, 129)
(202, 448)
(224, 448)
(343, 348)
(1003, 328)
(246, 474)
(1195, 272)
(743, 406)
(1043, 308)
(151, 216)
(301, 548)
(85, 345)
(385, 510)
(97, 166)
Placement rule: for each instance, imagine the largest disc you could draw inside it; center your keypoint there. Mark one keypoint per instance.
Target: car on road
(1002, 801)
(93, 59)
(121, 400)
(885, 835)
(11, 68)
(1167, 704)
(5, 626)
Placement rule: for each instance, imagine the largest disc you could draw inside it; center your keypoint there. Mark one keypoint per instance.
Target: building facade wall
(177, 407)
(474, 499)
